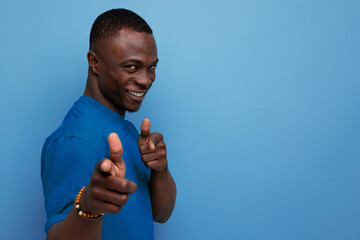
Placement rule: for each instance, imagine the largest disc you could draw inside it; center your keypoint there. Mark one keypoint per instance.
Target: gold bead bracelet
(78, 209)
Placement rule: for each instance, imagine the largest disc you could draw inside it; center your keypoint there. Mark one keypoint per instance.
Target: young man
(125, 174)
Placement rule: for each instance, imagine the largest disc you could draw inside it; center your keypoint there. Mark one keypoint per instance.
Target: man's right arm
(73, 227)
(107, 192)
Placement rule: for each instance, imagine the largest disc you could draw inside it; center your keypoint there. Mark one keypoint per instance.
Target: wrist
(82, 208)
(83, 204)
(163, 171)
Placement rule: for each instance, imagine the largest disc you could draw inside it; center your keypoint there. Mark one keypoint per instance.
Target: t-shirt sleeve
(67, 165)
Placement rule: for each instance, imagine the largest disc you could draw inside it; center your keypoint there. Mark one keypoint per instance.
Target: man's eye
(131, 67)
(153, 67)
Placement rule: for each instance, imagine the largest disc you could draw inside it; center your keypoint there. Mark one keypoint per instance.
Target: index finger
(116, 149)
(145, 128)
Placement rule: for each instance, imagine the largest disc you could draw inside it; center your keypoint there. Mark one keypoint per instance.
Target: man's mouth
(136, 94)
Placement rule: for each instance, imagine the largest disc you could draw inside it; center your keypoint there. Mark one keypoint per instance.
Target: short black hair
(109, 23)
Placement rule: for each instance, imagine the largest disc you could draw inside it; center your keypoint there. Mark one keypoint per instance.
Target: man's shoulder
(79, 123)
(75, 128)
(130, 126)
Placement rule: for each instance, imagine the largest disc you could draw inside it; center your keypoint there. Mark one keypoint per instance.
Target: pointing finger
(155, 138)
(145, 128)
(121, 185)
(116, 151)
(106, 167)
(151, 145)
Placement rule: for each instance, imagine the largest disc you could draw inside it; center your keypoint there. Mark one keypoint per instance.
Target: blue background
(259, 103)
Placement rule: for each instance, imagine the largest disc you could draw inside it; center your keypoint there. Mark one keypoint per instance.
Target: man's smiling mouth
(136, 94)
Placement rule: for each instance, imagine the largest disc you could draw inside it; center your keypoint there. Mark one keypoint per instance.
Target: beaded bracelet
(78, 209)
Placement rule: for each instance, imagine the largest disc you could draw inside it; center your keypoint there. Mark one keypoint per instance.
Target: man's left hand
(152, 148)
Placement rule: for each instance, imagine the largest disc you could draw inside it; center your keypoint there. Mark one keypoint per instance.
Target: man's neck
(92, 90)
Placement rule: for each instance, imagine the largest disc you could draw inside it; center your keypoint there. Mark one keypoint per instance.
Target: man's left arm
(162, 186)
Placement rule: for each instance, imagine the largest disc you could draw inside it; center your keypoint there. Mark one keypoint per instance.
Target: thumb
(116, 152)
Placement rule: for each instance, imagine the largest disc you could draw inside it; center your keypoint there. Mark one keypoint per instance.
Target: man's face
(126, 69)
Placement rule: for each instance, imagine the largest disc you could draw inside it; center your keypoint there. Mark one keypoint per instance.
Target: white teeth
(137, 94)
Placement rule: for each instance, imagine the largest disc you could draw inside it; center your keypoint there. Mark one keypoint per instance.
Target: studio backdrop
(258, 101)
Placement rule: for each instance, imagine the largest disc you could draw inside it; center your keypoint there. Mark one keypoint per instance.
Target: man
(125, 174)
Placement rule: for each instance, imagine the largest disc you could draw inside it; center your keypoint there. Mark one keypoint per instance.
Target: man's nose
(144, 79)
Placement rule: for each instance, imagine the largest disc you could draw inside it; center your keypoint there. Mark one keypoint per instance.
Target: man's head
(110, 23)
(122, 60)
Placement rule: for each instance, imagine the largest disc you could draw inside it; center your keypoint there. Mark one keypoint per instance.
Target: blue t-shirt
(69, 157)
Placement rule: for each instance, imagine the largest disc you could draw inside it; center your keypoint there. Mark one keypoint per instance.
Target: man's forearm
(162, 193)
(76, 227)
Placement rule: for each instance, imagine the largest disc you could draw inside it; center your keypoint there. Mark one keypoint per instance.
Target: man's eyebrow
(131, 60)
(155, 62)
(138, 62)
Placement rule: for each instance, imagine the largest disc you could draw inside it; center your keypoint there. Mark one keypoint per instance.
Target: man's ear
(93, 62)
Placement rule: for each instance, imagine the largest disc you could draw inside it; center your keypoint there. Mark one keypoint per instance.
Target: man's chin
(133, 109)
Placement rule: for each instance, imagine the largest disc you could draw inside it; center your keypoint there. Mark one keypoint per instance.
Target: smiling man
(101, 178)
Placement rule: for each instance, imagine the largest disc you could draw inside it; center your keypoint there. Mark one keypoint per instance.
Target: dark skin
(121, 72)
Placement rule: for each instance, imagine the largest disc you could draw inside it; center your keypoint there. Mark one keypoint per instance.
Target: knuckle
(157, 134)
(123, 198)
(117, 209)
(123, 185)
(163, 152)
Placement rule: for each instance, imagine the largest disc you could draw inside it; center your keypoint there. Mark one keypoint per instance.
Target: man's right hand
(108, 189)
